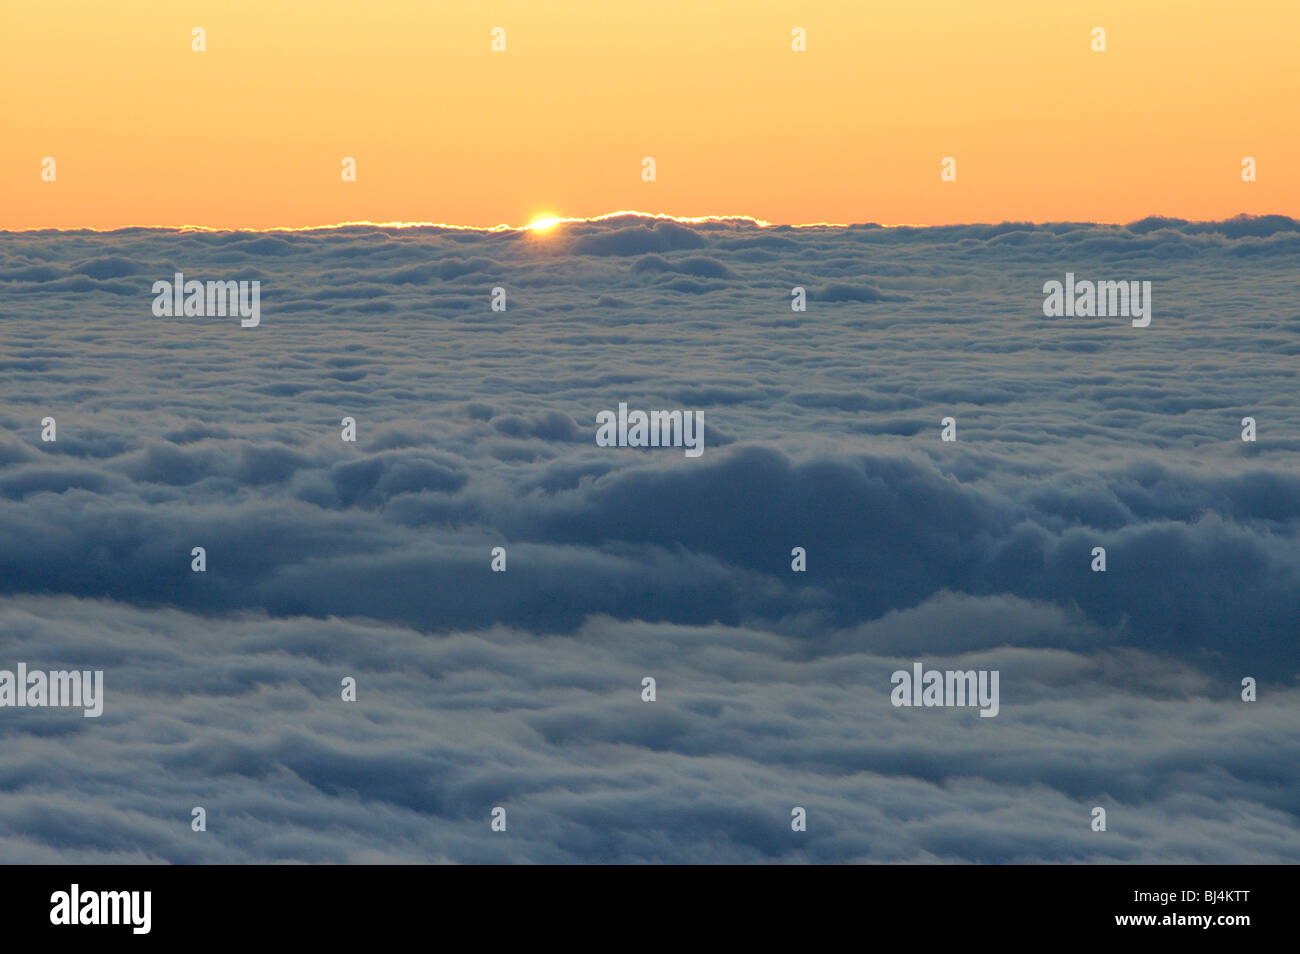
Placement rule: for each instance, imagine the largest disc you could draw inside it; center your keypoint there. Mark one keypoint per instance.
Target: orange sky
(251, 133)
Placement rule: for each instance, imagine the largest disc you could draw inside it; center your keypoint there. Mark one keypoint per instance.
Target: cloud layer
(522, 689)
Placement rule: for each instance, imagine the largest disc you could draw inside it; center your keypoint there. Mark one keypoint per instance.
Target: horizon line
(547, 222)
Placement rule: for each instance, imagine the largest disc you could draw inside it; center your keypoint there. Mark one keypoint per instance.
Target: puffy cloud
(244, 717)
(475, 429)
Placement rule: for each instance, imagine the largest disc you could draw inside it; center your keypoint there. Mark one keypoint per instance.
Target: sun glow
(544, 223)
(540, 223)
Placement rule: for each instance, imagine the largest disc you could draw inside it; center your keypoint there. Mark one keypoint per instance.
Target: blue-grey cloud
(476, 429)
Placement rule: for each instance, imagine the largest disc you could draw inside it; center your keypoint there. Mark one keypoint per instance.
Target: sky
(251, 133)
(522, 689)
(129, 157)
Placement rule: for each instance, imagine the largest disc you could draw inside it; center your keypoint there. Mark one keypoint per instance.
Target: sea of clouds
(522, 689)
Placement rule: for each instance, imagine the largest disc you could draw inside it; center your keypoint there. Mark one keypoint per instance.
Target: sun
(544, 223)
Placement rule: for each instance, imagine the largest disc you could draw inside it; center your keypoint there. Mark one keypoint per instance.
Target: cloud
(475, 429)
(243, 717)
(840, 291)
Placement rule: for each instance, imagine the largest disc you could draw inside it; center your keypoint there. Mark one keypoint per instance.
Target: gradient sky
(251, 133)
